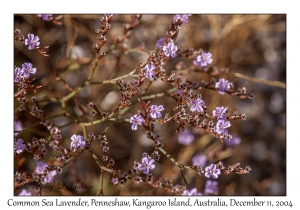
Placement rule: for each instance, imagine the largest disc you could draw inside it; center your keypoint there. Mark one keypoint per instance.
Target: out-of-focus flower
(160, 43)
(45, 17)
(235, 140)
(192, 192)
(186, 137)
(184, 17)
(223, 85)
(32, 41)
(77, 141)
(203, 60)
(211, 187)
(146, 165)
(136, 120)
(199, 160)
(221, 127)
(27, 69)
(24, 192)
(197, 105)
(40, 167)
(155, 111)
(220, 113)
(170, 50)
(212, 171)
(17, 127)
(19, 146)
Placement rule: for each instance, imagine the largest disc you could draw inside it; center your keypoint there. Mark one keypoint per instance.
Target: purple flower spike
(146, 165)
(197, 105)
(19, 146)
(149, 71)
(211, 187)
(212, 171)
(203, 60)
(136, 120)
(18, 74)
(192, 192)
(160, 43)
(45, 17)
(27, 69)
(77, 141)
(220, 113)
(199, 160)
(24, 192)
(170, 50)
(223, 85)
(184, 17)
(155, 111)
(186, 137)
(32, 41)
(221, 127)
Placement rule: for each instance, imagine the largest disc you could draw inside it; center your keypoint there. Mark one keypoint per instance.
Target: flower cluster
(24, 72)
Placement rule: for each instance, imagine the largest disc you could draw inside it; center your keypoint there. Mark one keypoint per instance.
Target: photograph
(149, 105)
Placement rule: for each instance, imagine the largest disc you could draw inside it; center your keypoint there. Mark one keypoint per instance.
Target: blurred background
(253, 45)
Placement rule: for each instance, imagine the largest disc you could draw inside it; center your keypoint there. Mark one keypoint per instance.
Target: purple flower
(115, 181)
(203, 60)
(192, 192)
(186, 137)
(32, 41)
(17, 127)
(24, 192)
(149, 71)
(19, 146)
(235, 140)
(147, 164)
(220, 113)
(27, 69)
(211, 187)
(221, 127)
(223, 85)
(212, 171)
(18, 74)
(199, 160)
(40, 167)
(77, 141)
(161, 42)
(45, 17)
(170, 50)
(136, 120)
(155, 111)
(184, 17)
(197, 105)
